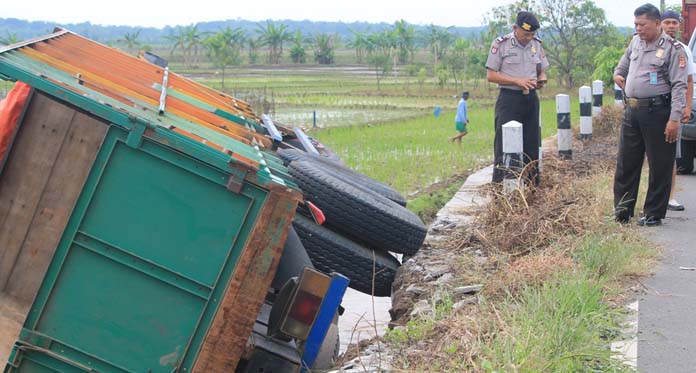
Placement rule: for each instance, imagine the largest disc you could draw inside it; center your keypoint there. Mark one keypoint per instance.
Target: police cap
(527, 21)
(670, 14)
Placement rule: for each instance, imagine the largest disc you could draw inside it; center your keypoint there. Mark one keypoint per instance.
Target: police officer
(517, 63)
(653, 74)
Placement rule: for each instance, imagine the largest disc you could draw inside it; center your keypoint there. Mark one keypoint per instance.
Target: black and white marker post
(585, 113)
(618, 95)
(565, 134)
(597, 97)
(513, 153)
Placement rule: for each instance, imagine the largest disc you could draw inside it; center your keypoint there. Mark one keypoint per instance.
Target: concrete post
(597, 94)
(513, 156)
(618, 95)
(565, 133)
(585, 113)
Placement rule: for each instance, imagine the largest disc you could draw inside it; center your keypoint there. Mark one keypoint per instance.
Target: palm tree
(179, 41)
(405, 40)
(360, 43)
(324, 49)
(225, 48)
(439, 39)
(273, 37)
(297, 53)
(10, 39)
(131, 40)
(194, 39)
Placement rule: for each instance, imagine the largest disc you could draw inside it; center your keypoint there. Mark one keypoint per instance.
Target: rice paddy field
(390, 133)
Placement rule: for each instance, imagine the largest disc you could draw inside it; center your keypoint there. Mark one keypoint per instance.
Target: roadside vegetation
(556, 271)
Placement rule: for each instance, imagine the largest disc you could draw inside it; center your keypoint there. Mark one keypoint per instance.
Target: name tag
(653, 77)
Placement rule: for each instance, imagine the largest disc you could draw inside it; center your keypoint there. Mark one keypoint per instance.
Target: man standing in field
(670, 24)
(461, 119)
(652, 73)
(517, 63)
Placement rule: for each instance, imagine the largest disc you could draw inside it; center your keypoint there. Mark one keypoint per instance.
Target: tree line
(578, 39)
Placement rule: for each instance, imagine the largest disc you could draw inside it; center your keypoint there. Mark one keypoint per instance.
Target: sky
(158, 13)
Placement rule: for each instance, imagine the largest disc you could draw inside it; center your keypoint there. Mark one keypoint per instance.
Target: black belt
(517, 92)
(656, 101)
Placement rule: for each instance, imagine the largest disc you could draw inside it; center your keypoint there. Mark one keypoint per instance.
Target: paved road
(667, 313)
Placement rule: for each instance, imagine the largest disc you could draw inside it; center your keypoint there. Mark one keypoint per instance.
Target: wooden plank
(65, 182)
(24, 179)
(227, 337)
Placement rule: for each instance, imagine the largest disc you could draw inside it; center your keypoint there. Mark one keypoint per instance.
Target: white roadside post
(597, 95)
(585, 112)
(618, 95)
(565, 134)
(513, 161)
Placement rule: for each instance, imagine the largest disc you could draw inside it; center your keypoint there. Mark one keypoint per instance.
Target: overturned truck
(150, 223)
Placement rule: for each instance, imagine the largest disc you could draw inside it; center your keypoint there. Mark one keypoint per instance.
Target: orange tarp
(10, 110)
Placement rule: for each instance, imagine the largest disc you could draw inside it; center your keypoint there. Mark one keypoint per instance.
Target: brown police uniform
(510, 57)
(655, 93)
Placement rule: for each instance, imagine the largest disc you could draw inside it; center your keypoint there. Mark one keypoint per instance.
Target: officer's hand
(620, 80)
(671, 131)
(527, 83)
(687, 115)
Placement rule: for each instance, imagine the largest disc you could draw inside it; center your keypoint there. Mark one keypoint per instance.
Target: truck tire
(344, 173)
(293, 260)
(685, 164)
(364, 216)
(331, 252)
(328, 352)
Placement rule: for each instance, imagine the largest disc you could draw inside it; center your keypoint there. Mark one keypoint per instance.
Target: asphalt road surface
(667, 312)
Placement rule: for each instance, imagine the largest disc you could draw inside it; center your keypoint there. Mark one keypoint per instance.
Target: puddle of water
(358, 321)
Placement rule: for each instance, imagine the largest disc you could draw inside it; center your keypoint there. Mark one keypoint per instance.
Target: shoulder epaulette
(502, 38)
(675, 43)
(537, 39)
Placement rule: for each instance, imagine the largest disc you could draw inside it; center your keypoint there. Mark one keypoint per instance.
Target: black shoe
(649, 221)
(673, 205)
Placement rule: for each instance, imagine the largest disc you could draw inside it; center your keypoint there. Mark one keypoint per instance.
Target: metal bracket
(135, 137)
(236, 182)
(35, 339)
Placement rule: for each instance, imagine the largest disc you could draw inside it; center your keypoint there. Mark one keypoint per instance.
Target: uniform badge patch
(533, 49)
(660, 52)
(682, 62)
(494, 50)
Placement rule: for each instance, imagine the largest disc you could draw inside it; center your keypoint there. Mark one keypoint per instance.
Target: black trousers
(642, 132)
(513, 105)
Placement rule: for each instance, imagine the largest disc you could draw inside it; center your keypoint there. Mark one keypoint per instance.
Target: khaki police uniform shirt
(655, 69)
(510, 57)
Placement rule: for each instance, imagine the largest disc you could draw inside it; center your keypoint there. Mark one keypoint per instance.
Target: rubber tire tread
(362, 215)
(331, 252)
(346, 174)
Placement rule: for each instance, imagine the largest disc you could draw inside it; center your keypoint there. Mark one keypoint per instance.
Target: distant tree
(194, 40)
(253, 44)
(273, 37)
(574, 31)
(422, 77)
(476, 60)
(360, 43)
(324, 49)
(225, 48)
(11, 38)
(456, 61)
(297, 51)
(501, 18)
(439, 39)
(130, 39)
(405, 40)
(381, 64)
(179, 41)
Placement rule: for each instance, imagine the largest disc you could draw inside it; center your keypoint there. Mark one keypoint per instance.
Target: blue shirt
(461, 112)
